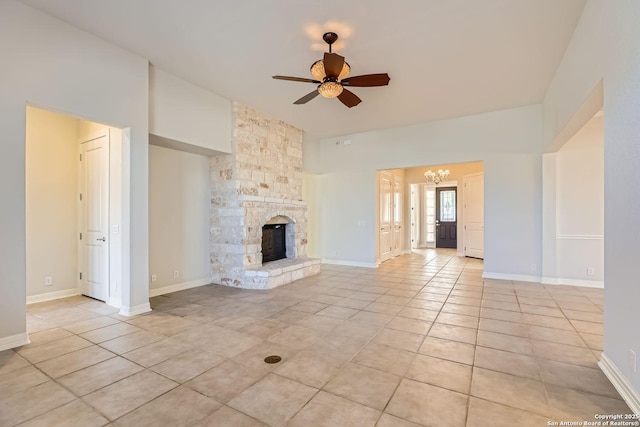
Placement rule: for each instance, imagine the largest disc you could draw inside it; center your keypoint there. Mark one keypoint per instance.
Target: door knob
(104, 239)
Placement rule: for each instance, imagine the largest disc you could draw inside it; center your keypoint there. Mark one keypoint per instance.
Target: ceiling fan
(331, 75)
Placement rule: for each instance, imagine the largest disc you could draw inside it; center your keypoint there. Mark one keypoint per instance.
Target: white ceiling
(446, 58)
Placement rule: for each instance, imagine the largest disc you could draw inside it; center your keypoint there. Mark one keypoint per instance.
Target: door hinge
(80, 236)
(80, 157)
(80, 275)
(80, 196)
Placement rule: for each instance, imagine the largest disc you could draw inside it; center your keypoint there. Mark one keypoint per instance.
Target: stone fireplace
(259, 184)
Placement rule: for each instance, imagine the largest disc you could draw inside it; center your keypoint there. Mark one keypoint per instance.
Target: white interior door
(474, 215)
(398, 216)
(386, 212)
(94, 212)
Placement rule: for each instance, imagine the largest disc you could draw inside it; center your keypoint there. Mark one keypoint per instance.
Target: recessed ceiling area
(445, 58)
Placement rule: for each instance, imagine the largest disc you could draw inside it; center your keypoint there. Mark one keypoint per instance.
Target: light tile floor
(421, 341)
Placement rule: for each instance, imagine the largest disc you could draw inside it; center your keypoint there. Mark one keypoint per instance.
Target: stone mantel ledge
(249, 198)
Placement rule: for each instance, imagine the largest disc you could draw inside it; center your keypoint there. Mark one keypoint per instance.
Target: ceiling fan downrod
(330, 38)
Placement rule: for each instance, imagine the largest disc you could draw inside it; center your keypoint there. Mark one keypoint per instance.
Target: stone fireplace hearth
(258, 184)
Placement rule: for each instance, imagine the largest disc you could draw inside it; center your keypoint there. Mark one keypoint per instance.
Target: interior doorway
(425, 198)
(73, 208)
(573, 208)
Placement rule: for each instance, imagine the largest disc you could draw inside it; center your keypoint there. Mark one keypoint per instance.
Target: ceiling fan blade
(296, 79)
(367, 80)
(333, 64)
(349, 98)
(308, 97)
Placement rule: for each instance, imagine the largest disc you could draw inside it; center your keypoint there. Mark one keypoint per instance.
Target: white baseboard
(14, 341)
(629, 394)
(572, 282)
(350, 263)
(514, 277)
(32, 299)
(460, 254)
(135, 310)
(179, 287)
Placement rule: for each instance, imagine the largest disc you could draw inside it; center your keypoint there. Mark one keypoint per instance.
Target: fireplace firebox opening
(274, 245)
(278, 239)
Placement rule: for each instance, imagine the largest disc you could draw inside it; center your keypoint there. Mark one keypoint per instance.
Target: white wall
(578, 78)
(51, 202)
(179, 221)
(606, 46)
(50, 64)
(186, 117)
(509, 143)
(580, 205)
(622, 180)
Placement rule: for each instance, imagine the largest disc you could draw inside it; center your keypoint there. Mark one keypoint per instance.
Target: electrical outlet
(153, 278)
(176, 274)
(533, 267)
(633, 361)
(591, 271)
(48, 280)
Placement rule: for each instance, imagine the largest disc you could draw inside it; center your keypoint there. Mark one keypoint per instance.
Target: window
(448, 206)
(430, 214)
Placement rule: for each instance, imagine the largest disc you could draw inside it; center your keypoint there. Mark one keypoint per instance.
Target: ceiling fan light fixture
(317, 70)
(330, 89)
(344, 73)
(332, 74)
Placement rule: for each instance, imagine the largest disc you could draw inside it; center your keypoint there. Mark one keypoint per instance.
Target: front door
(446, 217)
(94, 208)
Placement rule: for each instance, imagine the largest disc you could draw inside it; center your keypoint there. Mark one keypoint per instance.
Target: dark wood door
(446, 217)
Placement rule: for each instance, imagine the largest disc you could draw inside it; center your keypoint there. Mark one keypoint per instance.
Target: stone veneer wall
(259, 180)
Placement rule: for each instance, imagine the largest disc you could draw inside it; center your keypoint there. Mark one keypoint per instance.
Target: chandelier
(436, 177)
